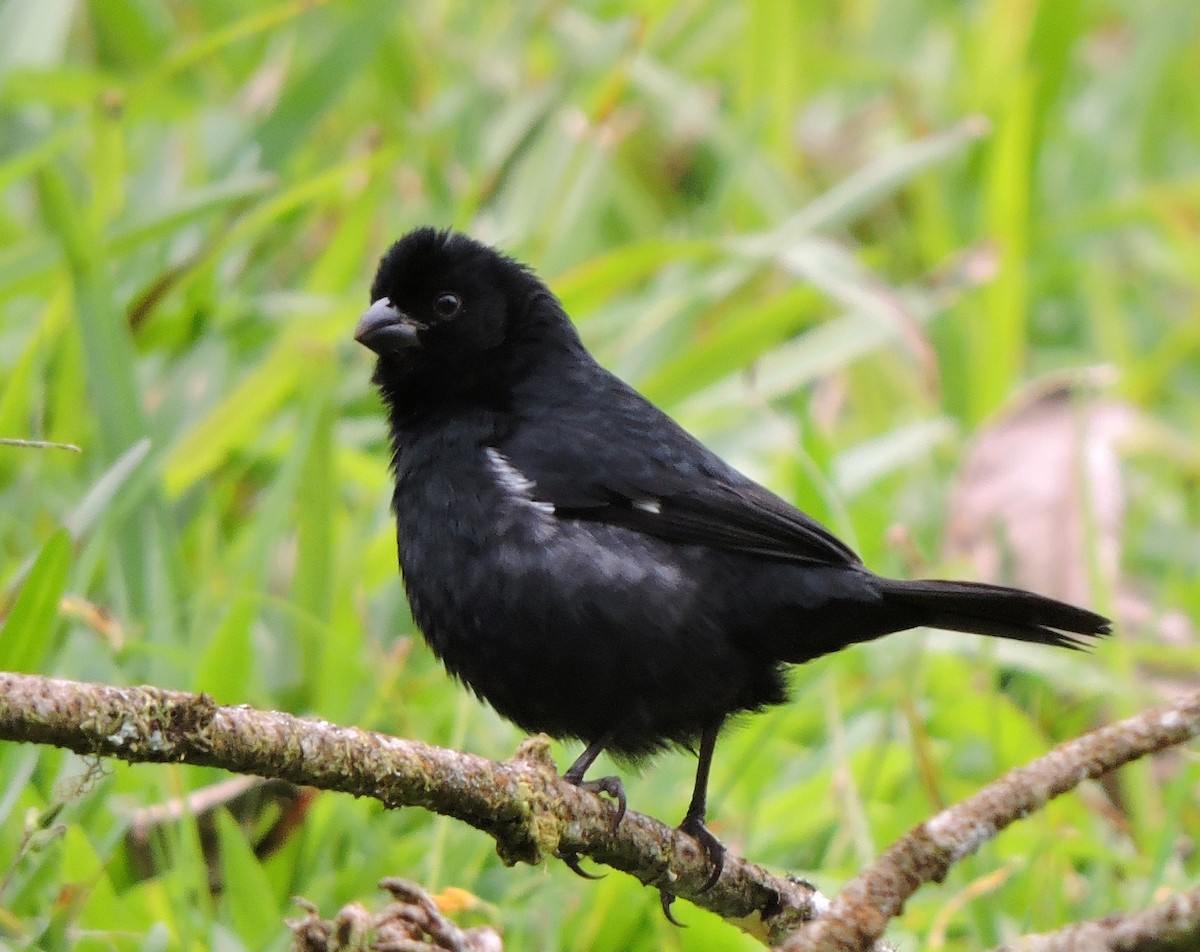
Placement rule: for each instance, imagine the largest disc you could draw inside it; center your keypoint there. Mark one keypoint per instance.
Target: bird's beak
(386, 329)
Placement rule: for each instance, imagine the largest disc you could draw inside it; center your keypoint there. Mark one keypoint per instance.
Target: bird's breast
(560, 622)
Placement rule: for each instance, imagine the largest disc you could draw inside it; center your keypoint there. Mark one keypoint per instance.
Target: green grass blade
(26, 639)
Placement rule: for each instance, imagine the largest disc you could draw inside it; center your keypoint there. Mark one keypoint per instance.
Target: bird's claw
(611, 786)
(665, 899)
(694, 827)
(607, 785)
(571, 858)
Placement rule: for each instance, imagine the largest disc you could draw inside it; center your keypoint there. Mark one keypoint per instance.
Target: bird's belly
(581, 629)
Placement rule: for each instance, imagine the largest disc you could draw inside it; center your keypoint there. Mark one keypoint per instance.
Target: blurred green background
(834, 239)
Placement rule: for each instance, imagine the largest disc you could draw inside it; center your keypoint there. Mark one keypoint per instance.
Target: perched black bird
(583, 563)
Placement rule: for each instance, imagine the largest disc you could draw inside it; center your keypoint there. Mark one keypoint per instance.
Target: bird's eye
(447, 305)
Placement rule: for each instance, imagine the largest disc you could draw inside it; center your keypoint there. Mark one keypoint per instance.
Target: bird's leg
(693, 822)
(610, 785)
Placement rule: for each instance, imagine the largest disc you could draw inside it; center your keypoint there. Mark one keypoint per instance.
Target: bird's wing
(745, 518)
(629, 464)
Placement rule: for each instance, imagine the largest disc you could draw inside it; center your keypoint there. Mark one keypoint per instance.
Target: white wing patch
(652, 506)
(515, 483)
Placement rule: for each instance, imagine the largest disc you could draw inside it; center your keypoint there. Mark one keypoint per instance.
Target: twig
(198, 801)
(412, 922)
(858, 916)
(39, 444)
(521, 803)
(1172, 926)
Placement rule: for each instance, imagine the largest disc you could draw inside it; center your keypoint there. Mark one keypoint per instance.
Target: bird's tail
(993, 610)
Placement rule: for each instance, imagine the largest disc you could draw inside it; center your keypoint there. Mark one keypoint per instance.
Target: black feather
(582, 562)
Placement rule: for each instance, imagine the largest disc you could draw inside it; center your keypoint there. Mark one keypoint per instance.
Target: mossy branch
(1171, 926)
(522, 803)
(532, 813)
(862, 910)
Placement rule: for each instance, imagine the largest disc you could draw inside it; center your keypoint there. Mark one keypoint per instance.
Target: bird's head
(450, 315)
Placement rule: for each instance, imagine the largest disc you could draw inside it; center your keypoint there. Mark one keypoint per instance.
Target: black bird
(583, 563)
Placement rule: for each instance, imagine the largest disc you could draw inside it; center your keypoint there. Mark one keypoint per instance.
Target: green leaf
(248, 895)
(310, 94)
(997, 337)
(26, 638)
(314, 579)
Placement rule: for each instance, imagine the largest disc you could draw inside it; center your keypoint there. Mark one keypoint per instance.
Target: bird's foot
(694, 827)
(571, 859)
(611, 786)
(608, 785)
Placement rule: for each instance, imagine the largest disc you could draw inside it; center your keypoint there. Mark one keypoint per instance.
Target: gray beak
(386, 329)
